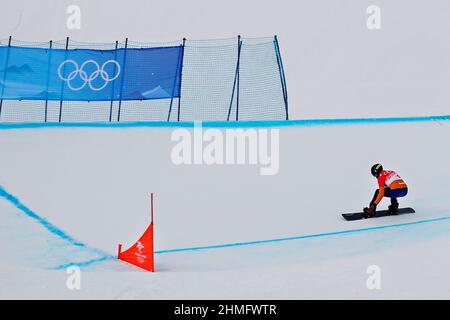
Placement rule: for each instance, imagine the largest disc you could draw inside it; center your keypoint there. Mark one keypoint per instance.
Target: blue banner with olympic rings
(90, 75)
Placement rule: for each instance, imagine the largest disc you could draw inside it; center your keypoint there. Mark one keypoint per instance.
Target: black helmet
(376, 169)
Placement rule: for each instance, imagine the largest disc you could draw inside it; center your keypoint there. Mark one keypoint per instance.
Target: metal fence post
(123, 77)
(282, 75)
(4, 76)
(180, 56)
(48, 79)
(236, 83)
(62, 82)
(238, 77)
(113, 85)
(181, 77)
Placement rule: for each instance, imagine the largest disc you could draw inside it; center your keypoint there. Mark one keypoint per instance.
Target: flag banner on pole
(89, 75)
(141, 254)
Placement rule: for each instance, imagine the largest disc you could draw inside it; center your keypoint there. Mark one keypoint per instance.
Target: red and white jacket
(388, 179)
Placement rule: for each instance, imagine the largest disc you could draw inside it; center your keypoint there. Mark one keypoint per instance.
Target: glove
(369, 212)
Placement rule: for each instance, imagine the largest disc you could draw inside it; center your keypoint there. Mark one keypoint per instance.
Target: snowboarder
(390, 186)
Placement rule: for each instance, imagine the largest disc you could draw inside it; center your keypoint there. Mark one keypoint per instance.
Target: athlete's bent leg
(394, 194)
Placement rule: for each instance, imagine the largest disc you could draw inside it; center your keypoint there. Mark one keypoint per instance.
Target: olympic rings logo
(87, 80)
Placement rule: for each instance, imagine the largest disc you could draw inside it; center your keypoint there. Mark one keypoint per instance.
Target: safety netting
(209, 80)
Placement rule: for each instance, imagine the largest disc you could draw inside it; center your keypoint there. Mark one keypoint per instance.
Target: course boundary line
(221, 124)
(43, 222)
(268, 241)
(103, 256)
(317, 235)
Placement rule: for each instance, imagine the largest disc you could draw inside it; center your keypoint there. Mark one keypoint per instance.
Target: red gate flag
(141, 254)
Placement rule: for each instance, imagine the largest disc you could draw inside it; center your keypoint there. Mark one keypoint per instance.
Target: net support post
(282, 75)
(4, 76)
(113, 85)
(236, 83)
(179, 67)
(48, 79)
(121, 82)
(62, 83)
(181, 77)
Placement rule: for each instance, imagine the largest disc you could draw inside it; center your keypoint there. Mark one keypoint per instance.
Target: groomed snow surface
(70, 195)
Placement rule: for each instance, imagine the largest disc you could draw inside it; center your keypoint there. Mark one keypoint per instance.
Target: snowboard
(381, 213)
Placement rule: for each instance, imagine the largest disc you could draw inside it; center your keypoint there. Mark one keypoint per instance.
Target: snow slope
(413, 261)
(69, 195)
(93, 185)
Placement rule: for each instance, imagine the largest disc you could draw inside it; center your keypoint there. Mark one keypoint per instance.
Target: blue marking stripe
(259, 242)
(47, 225)
(105, 256)
(222, 124)
(84, 263)
(327, 234)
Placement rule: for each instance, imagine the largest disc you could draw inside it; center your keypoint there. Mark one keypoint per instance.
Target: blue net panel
(209, 80)
(90, 75)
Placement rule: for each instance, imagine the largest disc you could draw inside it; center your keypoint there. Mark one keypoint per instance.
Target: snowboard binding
(393, 209)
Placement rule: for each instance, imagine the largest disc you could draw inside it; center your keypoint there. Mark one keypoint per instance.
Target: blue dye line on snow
(84, 263)
(104, 256)
(47, 225)
(327, 234)
(221, 124)
(259, 242)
